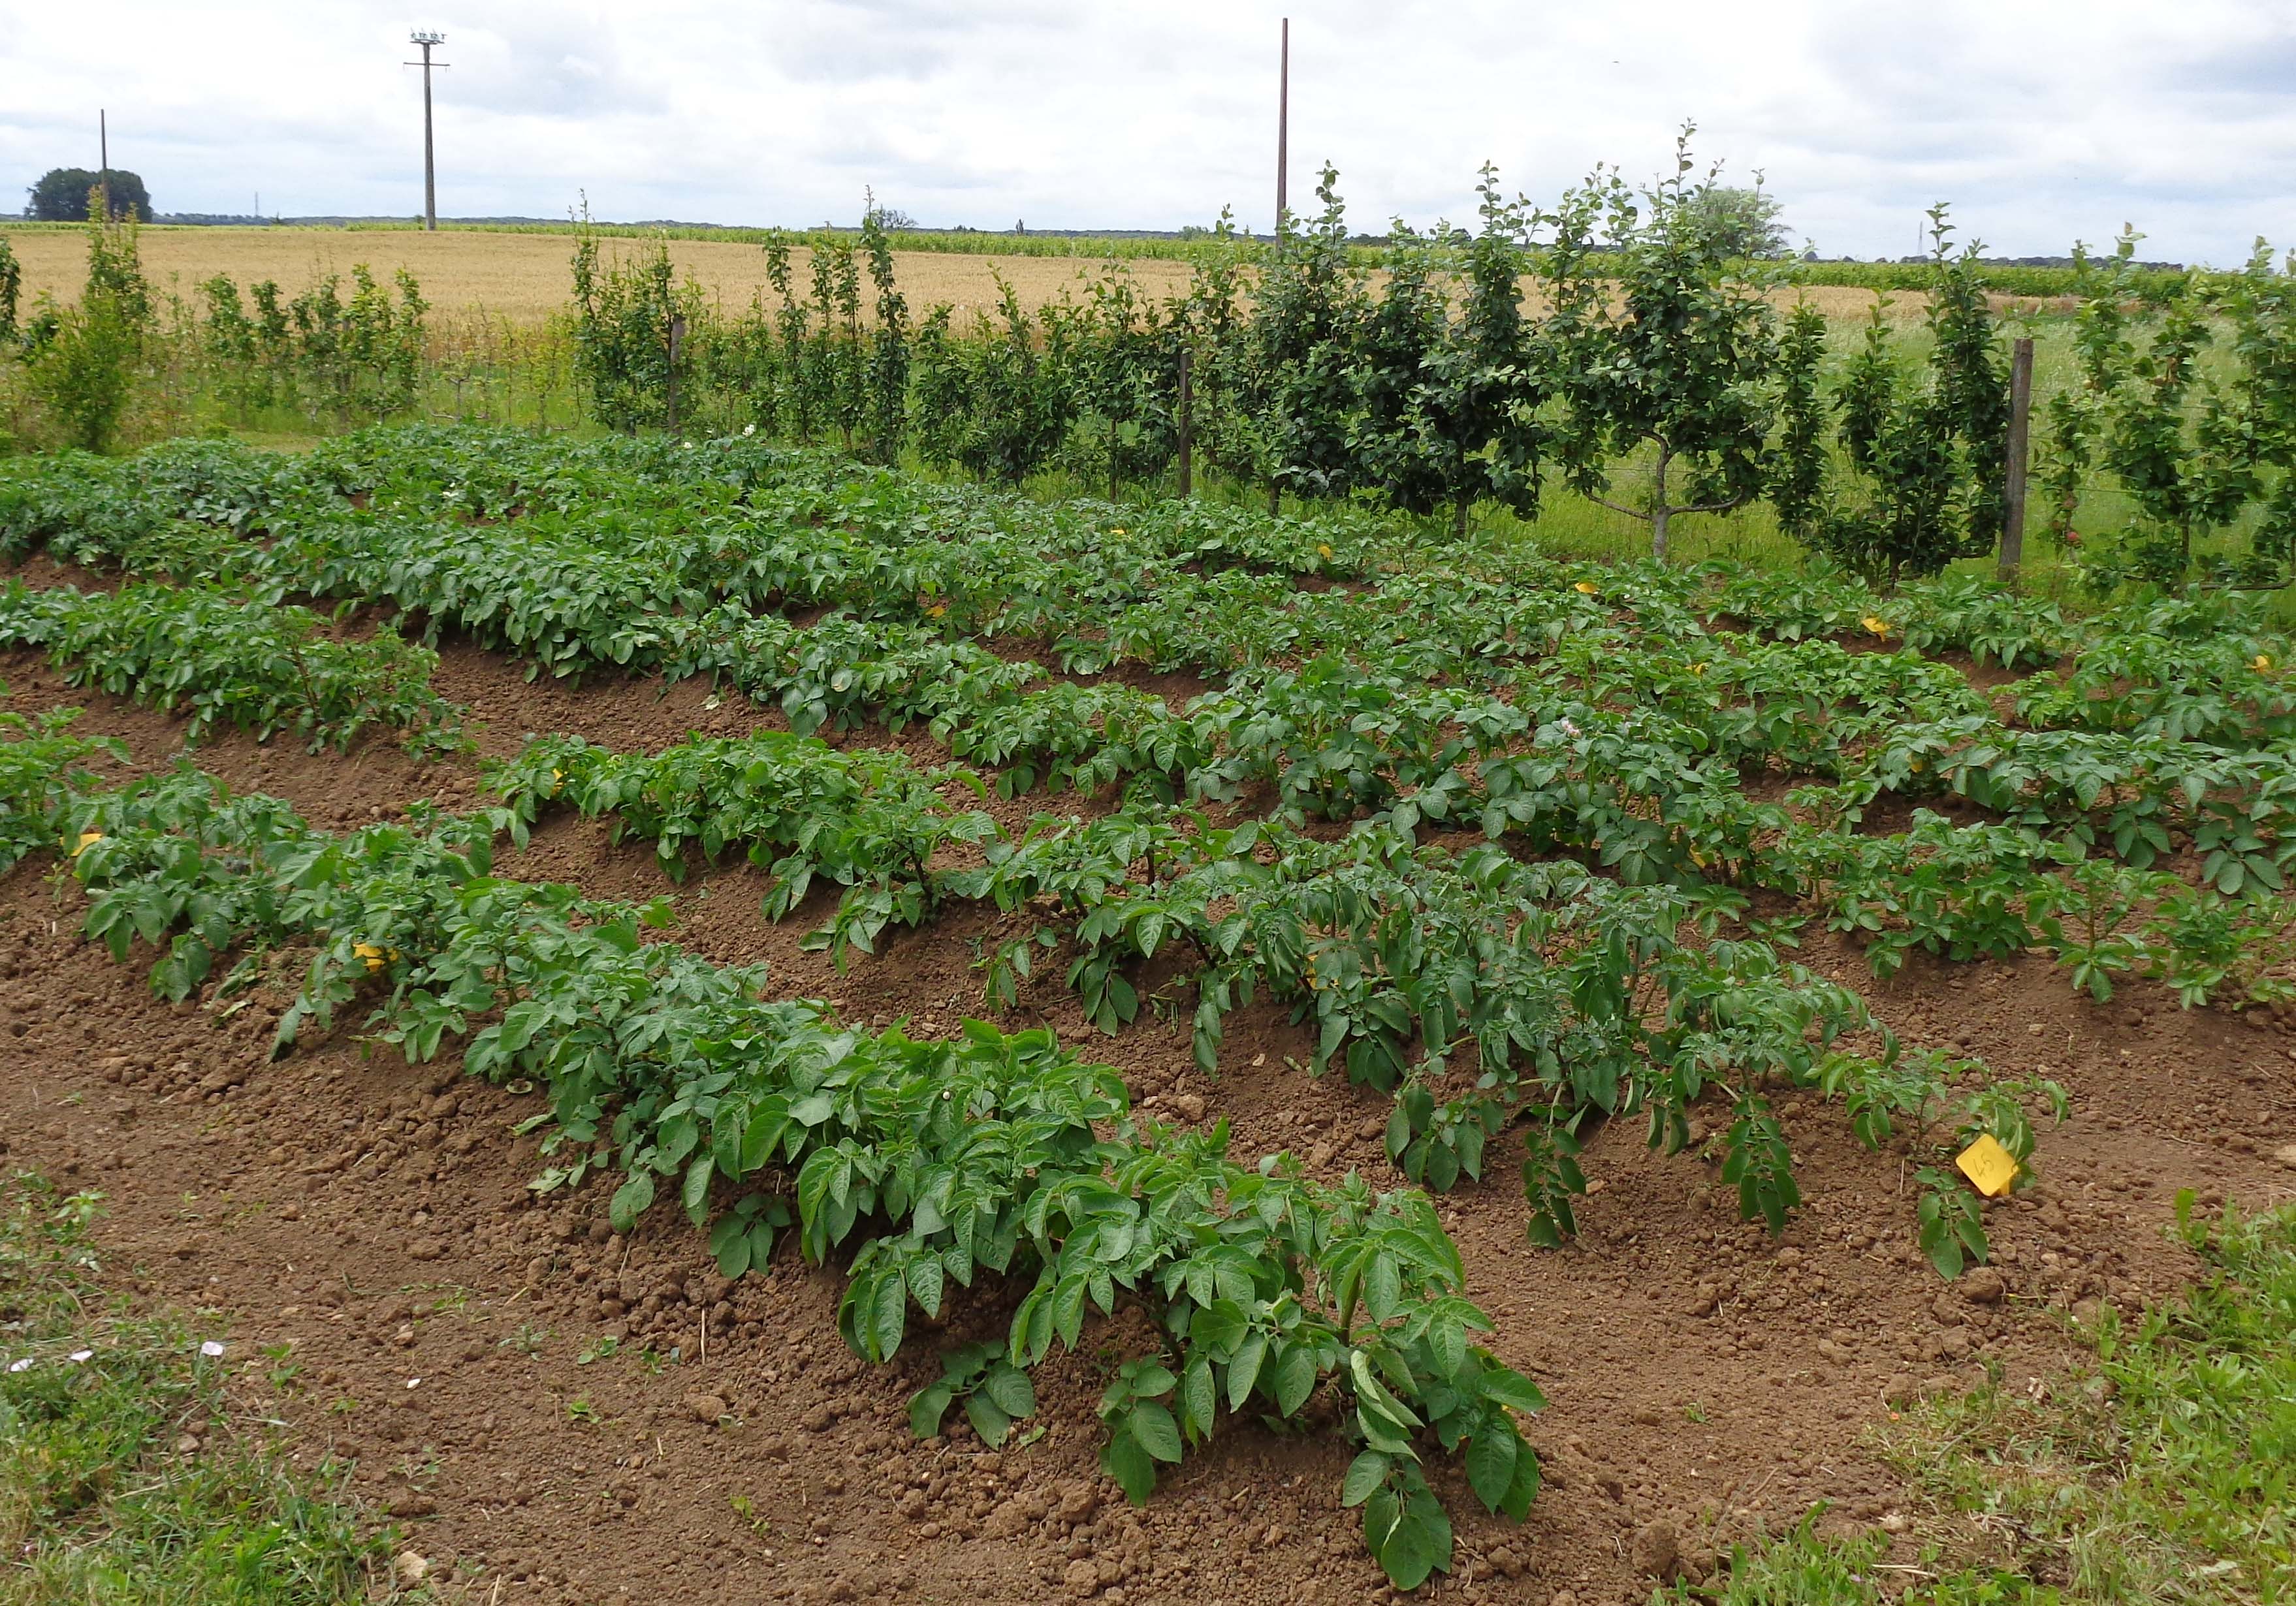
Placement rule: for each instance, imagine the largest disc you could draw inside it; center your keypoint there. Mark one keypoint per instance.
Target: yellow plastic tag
(1989, 1165)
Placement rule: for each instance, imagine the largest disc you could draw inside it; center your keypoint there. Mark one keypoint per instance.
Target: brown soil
(449, 1325)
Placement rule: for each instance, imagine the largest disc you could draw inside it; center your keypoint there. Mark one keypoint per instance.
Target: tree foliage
(347, 358)
(1648, 371)
(1745, 220)
(84, 360)
(1919, 478)
(62, 196)
(625, 308)
(1663, 349)
(11, 291)
(1307, 313)
(1450, 400)
(1000, 403)
(2186, 407)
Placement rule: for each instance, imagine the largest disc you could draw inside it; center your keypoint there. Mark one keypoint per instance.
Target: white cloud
(2041, 120)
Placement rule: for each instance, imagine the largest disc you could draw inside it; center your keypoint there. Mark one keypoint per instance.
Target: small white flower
(77, 1356)
(1566, 727)
(211, 1349)
(688, 445)
(23, 1365)
(749, 429)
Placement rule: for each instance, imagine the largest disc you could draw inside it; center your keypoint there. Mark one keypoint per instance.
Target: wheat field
(524, 278)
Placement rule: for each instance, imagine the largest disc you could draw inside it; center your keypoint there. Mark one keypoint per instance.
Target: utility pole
(103, 156)
(1283, 123)
(429, 169)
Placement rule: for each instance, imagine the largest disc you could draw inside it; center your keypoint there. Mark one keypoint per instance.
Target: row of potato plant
(1337, 737)
(1481, 992)
(919, 1164)
(1543, 755)
(222, 658)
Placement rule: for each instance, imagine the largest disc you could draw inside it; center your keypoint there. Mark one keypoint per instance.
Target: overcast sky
(2043, 121)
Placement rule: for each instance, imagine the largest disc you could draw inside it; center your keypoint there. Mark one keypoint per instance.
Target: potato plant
(869, 823)
(221, 658)
(1605, 717)
(930, 1163)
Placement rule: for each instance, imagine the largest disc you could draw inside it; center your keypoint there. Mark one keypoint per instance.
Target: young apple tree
(1663, 346)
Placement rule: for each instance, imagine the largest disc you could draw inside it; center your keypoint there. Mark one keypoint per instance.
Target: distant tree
(1743, 222)
(62, 195)
(892, 219)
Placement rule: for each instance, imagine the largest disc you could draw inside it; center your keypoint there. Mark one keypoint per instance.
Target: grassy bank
(2164, 1471)
(130, 1468)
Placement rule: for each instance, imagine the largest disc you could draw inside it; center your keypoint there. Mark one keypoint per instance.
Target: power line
(429, 167)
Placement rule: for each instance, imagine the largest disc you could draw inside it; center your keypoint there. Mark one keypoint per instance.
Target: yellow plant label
(87, 839)
(371, 953)
(1989, 1165)
(1585, 588)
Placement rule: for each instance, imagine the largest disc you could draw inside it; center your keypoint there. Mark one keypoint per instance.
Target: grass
(104, 1497)
(2164, 1475)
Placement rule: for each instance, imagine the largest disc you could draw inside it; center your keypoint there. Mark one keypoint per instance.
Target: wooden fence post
(677, 339)
(1187, 432)
(2021, 420)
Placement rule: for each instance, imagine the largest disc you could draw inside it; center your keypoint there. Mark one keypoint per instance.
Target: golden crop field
(525, 278)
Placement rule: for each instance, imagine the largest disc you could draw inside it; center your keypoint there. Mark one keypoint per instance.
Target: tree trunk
(1274, 498)
(1660, 510)
(1459, 517)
